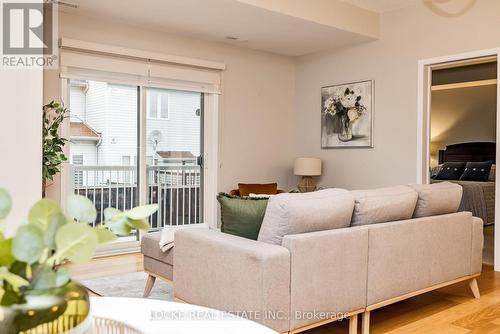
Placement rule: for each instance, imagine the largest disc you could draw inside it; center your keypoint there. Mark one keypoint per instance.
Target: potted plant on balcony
(37, 294)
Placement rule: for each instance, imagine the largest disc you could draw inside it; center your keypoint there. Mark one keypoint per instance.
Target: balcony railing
(176, 189)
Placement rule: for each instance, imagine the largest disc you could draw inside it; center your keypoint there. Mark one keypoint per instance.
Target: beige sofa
(316, 277)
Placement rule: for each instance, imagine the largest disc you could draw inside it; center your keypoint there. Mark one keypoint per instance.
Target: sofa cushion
(246, 189)
(150, 246)
(383, 205)
(437, 198)
(242, 216)
(295, 213)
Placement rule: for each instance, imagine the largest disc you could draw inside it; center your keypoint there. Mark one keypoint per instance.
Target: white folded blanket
(168, 232)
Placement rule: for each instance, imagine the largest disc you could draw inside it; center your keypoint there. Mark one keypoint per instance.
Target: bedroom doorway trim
(423, 118)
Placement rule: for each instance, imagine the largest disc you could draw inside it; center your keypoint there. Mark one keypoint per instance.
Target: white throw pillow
(383, 205)
(296, 213)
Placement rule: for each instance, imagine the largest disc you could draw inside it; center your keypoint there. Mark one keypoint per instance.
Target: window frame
(158, 105)
(78, 175)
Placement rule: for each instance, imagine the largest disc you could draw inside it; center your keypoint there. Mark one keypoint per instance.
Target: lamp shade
(307, 166)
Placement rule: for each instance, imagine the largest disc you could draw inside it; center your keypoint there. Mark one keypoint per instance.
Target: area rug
(128, 285)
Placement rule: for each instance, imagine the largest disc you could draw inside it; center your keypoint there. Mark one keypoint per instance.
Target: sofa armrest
(477, 245)
(233, 274)
(328, 272)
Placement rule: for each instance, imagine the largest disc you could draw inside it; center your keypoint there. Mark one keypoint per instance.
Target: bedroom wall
(462, 115)
(256, 107)
(407, 35)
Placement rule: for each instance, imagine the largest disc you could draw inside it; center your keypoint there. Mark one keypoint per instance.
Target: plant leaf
(5, 203)
(27, 245)
(75, 242)
(120, 227)
(62, 277)
(110, 213)
(41, 212)
(45, 279)
(55, 222)
(140, 224)
(81, 209)
(142, 212)
(6, 257)
(104, 235)
(13, 279)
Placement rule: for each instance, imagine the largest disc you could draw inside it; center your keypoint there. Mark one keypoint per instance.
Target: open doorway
(463, 117)
(458, 130)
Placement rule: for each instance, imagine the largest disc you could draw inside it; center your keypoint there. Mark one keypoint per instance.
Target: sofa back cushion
(305, 212)
(383, 205)
(437, 198)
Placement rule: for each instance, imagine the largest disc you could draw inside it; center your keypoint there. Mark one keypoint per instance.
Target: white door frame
(210, 158)
(423, 122)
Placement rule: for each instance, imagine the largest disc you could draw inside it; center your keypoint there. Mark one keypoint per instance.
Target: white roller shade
(97, 63)
(184, 77)
(89, 66)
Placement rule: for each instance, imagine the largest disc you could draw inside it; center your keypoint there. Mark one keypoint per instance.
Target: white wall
(20, 140)
(462, 115)
(256, 107)
(407, 35)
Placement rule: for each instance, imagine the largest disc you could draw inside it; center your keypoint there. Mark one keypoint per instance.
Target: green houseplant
(36, 291)
(53, 116)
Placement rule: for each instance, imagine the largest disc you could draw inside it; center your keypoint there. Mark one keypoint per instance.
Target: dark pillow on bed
(450, 171)
(477, 171)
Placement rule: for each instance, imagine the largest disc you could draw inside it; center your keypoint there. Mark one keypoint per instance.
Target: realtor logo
(29, 34)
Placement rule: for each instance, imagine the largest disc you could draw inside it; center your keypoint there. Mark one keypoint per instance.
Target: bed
(478, 197)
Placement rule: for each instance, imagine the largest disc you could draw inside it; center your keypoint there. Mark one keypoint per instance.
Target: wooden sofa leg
(365, 328)
(474, 288)
(353, 324)
(149, 285)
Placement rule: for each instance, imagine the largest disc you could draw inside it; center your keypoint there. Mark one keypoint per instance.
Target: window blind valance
(94, 62)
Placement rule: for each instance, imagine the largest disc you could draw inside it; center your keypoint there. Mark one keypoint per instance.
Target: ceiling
(284, 27)
(381, 6)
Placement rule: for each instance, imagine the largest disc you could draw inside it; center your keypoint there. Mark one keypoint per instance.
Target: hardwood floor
(450, 310)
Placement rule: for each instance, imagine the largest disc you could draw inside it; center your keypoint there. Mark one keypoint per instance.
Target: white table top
(164, 317)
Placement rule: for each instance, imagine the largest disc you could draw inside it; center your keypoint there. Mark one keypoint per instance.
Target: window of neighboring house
(77, 160)
(157, 105)
(126, 160)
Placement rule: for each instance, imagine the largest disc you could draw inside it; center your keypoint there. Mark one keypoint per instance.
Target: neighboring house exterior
(107, 114)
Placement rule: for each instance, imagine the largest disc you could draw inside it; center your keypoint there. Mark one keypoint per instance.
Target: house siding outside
(77, 106)
(111, 110)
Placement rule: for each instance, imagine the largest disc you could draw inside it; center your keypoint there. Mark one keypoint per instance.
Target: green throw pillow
(242, 216)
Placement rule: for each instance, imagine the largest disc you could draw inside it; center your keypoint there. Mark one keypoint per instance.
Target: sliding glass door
(174, 150)
(103, 144)
(106, 128)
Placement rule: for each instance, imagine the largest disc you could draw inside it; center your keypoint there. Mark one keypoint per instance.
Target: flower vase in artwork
(345, 129)
(343, 109)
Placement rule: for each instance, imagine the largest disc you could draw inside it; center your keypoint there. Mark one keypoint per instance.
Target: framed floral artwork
(347, 115)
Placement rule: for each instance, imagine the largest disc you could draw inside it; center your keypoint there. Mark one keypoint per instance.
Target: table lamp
(307, 168)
